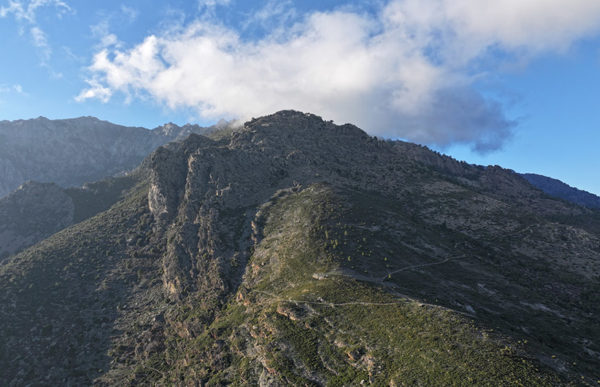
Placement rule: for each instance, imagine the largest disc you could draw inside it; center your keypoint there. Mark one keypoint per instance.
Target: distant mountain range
(74, 151)
(557, 188)
(37, 210)
(293, 251)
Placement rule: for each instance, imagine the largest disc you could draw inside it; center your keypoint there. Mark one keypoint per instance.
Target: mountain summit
(294, 251)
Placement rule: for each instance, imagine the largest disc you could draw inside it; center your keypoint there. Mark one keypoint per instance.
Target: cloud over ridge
(406, 70)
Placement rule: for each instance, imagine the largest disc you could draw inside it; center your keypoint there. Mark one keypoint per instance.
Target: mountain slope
(557, 188)
(32, 213)
(37, 210)
(74, 151)
(295, 251)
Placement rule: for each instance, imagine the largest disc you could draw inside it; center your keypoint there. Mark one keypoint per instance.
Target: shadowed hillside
(75, 151)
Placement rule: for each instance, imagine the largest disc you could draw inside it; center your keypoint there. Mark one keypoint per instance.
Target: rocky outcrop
(202, 190)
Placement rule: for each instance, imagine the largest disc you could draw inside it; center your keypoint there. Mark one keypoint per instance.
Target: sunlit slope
(314, 309)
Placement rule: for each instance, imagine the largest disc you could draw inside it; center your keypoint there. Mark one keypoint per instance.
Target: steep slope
(62, 298)
(32, 213)
(557, 188)
(74, 151)
(37, 210)
(295, 251)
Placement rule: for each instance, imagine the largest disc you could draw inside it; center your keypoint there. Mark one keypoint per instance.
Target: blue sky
(512, 82)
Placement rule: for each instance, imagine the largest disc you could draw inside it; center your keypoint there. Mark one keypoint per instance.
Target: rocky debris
(292, 311)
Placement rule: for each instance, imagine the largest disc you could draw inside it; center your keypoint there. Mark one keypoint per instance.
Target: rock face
(31, 213)
(298, 252)
(74, 151)
(557, 188)
(198, 186)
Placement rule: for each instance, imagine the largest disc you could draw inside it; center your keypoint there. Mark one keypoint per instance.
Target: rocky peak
(198, 181)
(168, 129)
(293, 129)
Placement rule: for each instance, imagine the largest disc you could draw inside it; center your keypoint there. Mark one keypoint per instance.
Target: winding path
(388, 275)
(323, 302)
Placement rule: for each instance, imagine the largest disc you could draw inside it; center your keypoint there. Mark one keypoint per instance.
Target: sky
(514, 83)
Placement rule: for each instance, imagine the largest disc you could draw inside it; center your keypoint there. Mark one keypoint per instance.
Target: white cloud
(16, 88)
(25, 12)
(101, 31)
(405, 72)
(129, 12)
(212, 3)
(95, 91)
(470, 27)
(13, 7)
(41, 42)
(275, 14)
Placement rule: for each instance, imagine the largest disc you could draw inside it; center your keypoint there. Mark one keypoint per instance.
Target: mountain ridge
(557, 188)
(298, 252)
(71, 152)
(172, 132)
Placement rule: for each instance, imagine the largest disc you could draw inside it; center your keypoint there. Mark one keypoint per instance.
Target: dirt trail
(323, 302)
(388, 275)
